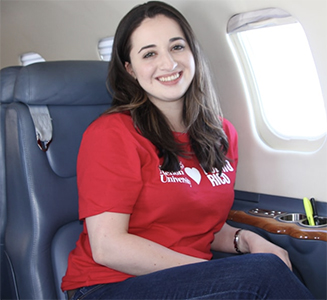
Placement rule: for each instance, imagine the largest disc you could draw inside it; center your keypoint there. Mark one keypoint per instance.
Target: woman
(155, 180)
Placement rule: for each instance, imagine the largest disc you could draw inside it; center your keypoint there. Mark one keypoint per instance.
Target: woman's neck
(173, 111)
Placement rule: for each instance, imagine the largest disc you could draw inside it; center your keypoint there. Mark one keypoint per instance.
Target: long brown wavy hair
(202, 115)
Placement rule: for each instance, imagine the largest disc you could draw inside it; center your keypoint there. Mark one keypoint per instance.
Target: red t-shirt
(118, 170)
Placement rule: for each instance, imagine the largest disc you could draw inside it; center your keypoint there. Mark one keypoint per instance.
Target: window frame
(250, 21)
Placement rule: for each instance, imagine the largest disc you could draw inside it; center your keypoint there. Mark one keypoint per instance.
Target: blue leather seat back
(7, 82)
(41, 186)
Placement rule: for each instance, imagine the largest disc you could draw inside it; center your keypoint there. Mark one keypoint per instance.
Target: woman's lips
(170, 78)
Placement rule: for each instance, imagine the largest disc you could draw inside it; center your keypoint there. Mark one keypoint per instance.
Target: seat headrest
(7, 83)
(63, 83)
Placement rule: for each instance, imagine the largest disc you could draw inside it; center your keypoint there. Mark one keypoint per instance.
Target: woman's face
(161, 60)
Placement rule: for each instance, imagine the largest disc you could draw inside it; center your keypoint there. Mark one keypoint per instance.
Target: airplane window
(105, 48)
(281, 79)
(30, 58)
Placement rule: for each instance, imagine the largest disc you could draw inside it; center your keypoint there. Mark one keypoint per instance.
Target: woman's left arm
(248, 242)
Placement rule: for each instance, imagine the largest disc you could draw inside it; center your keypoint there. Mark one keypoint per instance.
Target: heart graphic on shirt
(194, 174)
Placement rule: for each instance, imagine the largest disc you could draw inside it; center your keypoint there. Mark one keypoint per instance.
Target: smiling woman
(166, 140)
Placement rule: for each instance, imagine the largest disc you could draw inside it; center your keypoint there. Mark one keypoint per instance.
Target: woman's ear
(129, 69)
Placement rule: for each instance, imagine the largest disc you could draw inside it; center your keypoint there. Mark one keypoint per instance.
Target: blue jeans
(251, 276)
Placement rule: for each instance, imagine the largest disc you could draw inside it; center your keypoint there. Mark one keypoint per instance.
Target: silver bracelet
(236, 238)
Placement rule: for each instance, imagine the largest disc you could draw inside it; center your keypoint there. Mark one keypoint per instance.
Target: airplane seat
(7, 82)
(54, 102)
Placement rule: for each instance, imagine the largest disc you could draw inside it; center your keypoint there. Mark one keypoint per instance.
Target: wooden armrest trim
(274, 226)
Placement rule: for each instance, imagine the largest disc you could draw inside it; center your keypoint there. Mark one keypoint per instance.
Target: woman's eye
(178, 47)
(149, 54)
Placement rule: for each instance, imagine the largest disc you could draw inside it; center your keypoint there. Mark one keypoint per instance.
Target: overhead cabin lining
(258, 19)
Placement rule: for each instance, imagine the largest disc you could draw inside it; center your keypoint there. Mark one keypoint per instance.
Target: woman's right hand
(254, 243)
